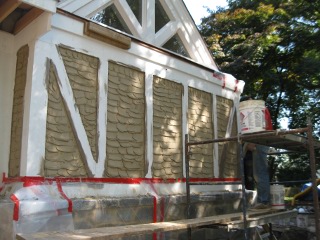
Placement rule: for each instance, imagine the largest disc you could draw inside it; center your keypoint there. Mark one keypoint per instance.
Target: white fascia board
(46, 5)
(65, 23)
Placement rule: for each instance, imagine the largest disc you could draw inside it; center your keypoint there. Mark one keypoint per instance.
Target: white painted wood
(92, 7)
(180, 21)
(26, 129)
(72, 5)
(148, 19)
(167, 6)
(167, 32)
(216, 168)
(46, 5)
(129, 18)
(66, 24)
(102, 118)
(31, 152)
(149, 117)
(35, 111)
(185, 129)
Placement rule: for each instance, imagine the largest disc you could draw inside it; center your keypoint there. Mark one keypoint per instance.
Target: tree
(274, 46)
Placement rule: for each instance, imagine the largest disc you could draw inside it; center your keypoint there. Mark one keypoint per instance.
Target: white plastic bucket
(252, 116)
(277, 196)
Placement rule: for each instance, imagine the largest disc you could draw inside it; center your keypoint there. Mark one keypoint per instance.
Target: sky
(197, 9)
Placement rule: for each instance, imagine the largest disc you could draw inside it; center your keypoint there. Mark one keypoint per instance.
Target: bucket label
(252, 116)
(277, 196)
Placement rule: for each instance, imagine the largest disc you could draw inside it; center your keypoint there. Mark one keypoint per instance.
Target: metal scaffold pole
(244, 196)
(314, 179)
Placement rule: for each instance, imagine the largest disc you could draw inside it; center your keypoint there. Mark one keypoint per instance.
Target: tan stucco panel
(167, 129)
(200, 126)
(228, 156)
(125, 122)
(82, 72)
(17, 111)
(62, 155)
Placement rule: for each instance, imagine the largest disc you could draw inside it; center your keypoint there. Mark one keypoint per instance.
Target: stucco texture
(62, 155)
(167, 129)
(17, 111)
(228, 155)
(125, 122)
(200, 126)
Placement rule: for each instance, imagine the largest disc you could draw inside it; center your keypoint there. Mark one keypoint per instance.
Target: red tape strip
(30, 181)
(16, 207)
(64, 196)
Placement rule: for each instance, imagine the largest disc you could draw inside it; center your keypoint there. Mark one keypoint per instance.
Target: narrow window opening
(110, 16)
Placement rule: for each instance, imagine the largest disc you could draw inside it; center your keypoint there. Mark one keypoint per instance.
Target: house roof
(176, 32)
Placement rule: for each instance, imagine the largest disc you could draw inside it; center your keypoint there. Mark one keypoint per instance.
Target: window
(175, 45)
(110, 16)
(161, 17)
(136, 7)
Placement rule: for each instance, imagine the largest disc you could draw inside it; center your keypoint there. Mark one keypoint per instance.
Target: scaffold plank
(230, 220)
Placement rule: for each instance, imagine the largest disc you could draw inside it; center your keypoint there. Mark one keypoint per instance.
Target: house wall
(93, 109)
(110, 123)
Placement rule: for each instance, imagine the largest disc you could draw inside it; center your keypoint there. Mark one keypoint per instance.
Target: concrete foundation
(40, 208)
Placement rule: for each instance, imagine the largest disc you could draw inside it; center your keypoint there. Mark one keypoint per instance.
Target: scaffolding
(290, 140)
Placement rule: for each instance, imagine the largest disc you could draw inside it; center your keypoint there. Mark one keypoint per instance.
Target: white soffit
(180, 23)
(46, 5)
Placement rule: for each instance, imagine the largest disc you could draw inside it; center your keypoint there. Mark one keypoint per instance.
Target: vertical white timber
(35, 111)
(215, 133)
(185, 129)
(148, 21)
(149, 72)
(102, 116)
(35, 102)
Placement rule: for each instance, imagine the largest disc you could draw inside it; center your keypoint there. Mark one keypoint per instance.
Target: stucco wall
(200, 128)
(62, 155)
(125, 122)
(226, 121)
(7, 69)
(82, 70)
(167, 129)
(109, 112)
(17, 111)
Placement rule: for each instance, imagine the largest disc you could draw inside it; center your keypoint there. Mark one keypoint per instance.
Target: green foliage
(274, 46)
(296, 170)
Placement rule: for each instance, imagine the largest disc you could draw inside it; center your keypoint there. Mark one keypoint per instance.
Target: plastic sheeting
(34, 208)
